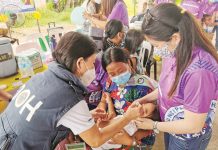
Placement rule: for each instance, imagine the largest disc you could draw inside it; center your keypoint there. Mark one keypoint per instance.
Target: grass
(49, 15)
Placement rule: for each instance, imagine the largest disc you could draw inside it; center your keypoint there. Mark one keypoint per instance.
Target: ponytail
(166, 19)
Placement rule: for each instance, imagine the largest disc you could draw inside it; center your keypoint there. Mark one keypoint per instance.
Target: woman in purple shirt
(197, 7)
(111, 9)
(188, 87)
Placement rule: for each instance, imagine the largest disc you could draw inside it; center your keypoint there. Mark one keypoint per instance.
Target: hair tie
(183, 11)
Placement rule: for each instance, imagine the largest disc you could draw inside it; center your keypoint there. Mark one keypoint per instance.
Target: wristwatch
(156, 131)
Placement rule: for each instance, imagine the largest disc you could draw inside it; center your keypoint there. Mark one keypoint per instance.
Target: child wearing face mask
(122, 88)
(113, 38)
(208, 25)
(133, 44)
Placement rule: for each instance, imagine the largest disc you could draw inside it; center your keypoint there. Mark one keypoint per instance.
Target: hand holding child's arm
(111, 111)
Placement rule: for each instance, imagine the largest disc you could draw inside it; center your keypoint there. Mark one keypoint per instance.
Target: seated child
(113, 38)
(133, 41)
(208, 25)
(122, 88)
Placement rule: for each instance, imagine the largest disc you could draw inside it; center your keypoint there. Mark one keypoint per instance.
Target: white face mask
(163, 52)
(88, 77)
(209, 29)
(98, 1)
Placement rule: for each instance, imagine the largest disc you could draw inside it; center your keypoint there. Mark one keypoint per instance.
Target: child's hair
(133, 40)
(161, 22)
(112, 28)
(205, 16)
(114, 55)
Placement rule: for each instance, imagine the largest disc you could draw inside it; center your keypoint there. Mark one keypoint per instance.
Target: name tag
(5, 57)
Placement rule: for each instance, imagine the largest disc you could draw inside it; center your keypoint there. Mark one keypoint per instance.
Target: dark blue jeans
(200, 143)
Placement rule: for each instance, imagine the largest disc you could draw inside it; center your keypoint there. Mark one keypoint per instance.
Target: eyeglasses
(148, 16)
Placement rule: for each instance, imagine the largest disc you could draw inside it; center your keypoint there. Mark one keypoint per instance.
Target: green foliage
(49, 15)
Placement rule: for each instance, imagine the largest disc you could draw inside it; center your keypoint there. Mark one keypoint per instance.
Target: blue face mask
(122, 78)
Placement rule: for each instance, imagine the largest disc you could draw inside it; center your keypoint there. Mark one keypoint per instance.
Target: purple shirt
(101, 76)
(96, 87)
(198, 9)
(197, 89)
(192, 6)
(195, 7)
(120, 13)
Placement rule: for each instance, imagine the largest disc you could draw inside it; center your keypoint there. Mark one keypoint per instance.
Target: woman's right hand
(136, 102)
(98, 113)
(149, 98)
(86, 15)
(134, 111)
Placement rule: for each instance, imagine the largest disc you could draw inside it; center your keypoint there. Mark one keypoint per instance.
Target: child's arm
(111, 111)
(102, 104)
(106, 100)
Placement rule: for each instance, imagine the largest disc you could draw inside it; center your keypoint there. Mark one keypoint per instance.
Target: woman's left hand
(98, 113)
(144, 123)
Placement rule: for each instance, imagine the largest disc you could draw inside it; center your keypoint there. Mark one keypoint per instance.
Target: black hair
(114, 55)
(133, 40)
(166, 19)
(112, 28)
(71, 47)
(204, 18)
